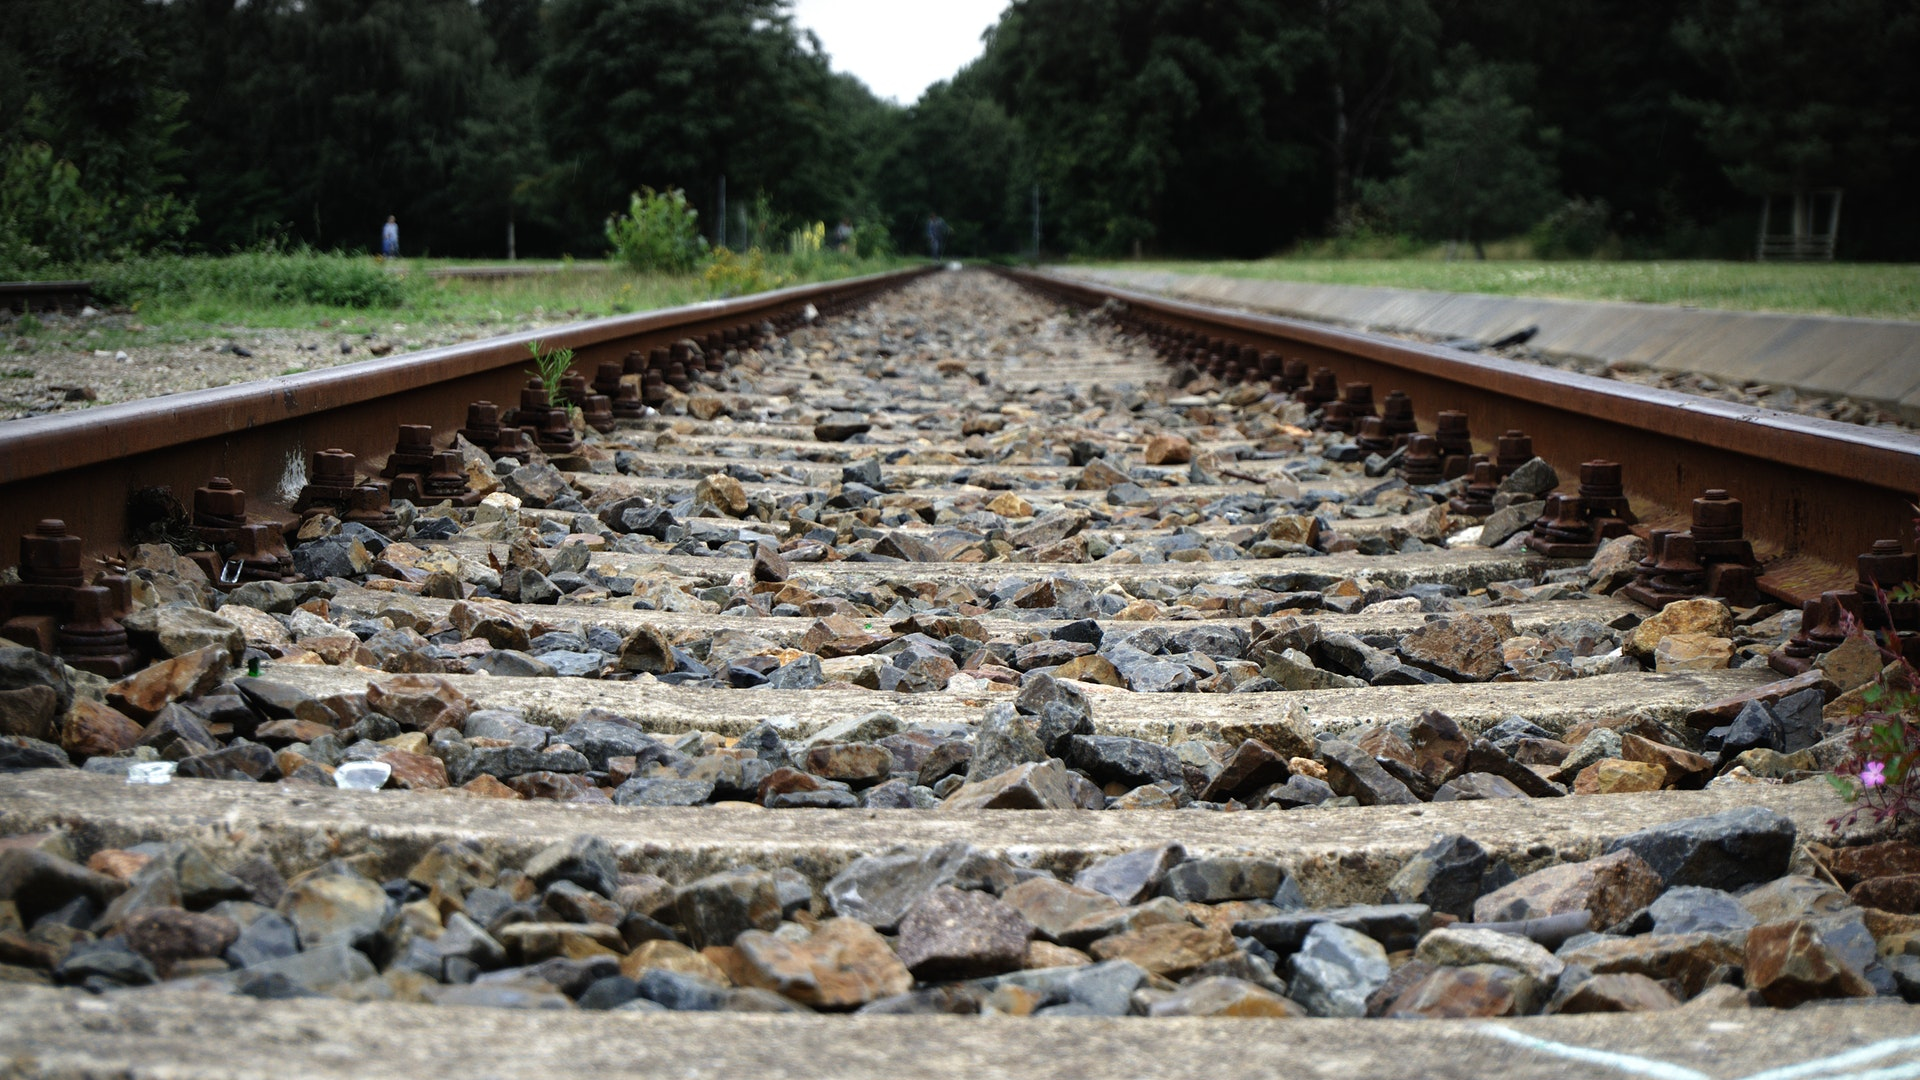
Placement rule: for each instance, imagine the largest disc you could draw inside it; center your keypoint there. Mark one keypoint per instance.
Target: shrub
(807, 248)
(659, 233)
(731, 274)
(50, 219)
(299, 276)
(872, 240)
(1577, 230)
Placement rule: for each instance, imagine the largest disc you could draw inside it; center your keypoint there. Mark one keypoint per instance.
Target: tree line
(1204, 127)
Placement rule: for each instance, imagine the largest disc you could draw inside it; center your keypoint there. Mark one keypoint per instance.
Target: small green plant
(807, 248)
(550, 367)
(28, 324)
(763, 223)
(872, 240)
(1577, 230)
(1881, 772)
(731, 274)
(660, 233)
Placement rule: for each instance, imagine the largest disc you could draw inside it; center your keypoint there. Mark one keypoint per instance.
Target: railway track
(918, 646)
(27, 296)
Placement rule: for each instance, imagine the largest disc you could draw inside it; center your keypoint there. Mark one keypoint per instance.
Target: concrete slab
(64, 1034)
(1337, 855)
(1162, 718)
(1871, 360)
(1468, 568)
(1527, 618)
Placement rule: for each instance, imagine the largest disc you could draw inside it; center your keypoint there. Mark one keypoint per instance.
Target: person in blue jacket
(936, 234)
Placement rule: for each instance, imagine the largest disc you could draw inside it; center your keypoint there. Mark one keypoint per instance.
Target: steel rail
(81, 466)
(1817, 493)
(27, 296)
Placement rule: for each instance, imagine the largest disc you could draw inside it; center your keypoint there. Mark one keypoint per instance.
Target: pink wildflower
(1874, 775)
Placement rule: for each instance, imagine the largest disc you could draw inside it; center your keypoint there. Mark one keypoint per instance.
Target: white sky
(899, 47)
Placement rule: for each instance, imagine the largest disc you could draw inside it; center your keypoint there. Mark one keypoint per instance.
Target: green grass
(1866, 290)
(178, 299)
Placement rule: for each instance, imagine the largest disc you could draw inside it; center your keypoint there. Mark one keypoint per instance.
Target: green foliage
(321, 118)
(264, 277)
(1882, 766)
(1577, 230)
(679, 93)
(1142, 121)
(807, 249)
(871, 240)
(760, 224)
(660, 232)
(956, 152)
(1881, 771)
(1478, 170)
(729, 273)
(49, 217)
(88, 134)
(1807, 92)
(550, 366)
(1237, 127)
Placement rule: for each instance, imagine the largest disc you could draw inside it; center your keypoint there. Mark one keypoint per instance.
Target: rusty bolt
(416, 440)
(219, 500)
(333, 468)
(48, 556)
(607, 380)
(1397, 411)
(482, 415)
(1422, 463)
(1887, 566)
(1324, 386)
(1717, 516)
(1511, 451)
(1600, 480)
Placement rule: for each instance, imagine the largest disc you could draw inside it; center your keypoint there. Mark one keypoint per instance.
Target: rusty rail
(25, 296)
(81, 466)
(1817, 493)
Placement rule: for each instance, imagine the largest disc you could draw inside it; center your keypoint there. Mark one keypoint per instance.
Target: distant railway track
(491, 273)
(25, 296)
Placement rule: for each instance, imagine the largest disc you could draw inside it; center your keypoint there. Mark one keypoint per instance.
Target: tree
(679, 93)
(1147, 121)
(87, 126)
(1365, 55)
(1812, 93)
(956, 152)
(1478, 169)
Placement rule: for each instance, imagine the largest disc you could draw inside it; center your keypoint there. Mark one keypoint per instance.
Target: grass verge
(183, 298)
(1863, 290)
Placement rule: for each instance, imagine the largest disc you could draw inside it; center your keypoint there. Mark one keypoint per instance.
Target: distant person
(936, 234)
(843, 235)
(390, 238)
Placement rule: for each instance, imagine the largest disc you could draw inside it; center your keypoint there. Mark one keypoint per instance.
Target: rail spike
(52, 609)
(1713, 558)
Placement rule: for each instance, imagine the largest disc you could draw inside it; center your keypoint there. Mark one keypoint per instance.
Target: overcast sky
(899, 47)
